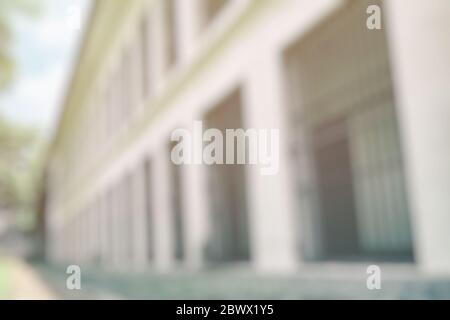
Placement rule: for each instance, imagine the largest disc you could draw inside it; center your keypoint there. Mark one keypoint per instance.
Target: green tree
(19, 146)
(19, 168)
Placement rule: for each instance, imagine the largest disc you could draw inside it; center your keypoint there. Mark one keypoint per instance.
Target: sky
(45, 49)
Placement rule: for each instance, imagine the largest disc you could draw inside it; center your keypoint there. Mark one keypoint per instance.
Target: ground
(38, 280)
(3, 282)
(19, 281)
(319, 282)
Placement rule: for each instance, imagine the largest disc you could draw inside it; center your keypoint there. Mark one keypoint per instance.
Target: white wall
(420, 45)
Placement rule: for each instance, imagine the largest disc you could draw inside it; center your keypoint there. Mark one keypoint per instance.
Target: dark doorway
(229, 239)
(345, 141)
(177, 210)
(335, 188)
(149, 209)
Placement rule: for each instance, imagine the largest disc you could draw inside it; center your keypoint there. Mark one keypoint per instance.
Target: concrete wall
(242, 48)
(420, 50)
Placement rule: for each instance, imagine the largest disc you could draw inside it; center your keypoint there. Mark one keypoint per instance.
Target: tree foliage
(19, 146)
(21, 152)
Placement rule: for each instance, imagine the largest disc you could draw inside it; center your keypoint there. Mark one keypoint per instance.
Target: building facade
(364, 120)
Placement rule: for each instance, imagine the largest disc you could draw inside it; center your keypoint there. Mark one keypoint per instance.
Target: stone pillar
(104, 230)
(117, 241)
(187, 29)
(159, 45)
(195, 210)
(51, 237)
(420, 46)
(272, 226)
(163, 216)
(138, 70)
(140, 223)
(92, 231)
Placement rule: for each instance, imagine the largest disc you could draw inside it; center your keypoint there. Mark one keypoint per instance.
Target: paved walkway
(322, 281)
(19, 281)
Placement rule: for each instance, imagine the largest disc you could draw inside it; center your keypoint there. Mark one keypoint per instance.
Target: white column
(70, 240)
(117, 242)
(158, 46)
(78, 237)
(187, 18)
(195, 213)
(272, 223)
(50, 235)
(148, 46)
(91, 225)
(420, 43)
(125, 220)
(104, 229)
(85, 235)
(140, 223)
(163, 216)
(137, 70)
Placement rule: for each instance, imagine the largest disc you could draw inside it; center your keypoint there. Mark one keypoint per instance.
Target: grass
(4, 281)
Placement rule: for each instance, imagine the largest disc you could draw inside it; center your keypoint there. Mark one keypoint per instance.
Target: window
(145, 57)
(229, 240)
(127, 215)
(125, 90)
(171, 39)
(211, 8)
(177, 210)
(149, 208)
